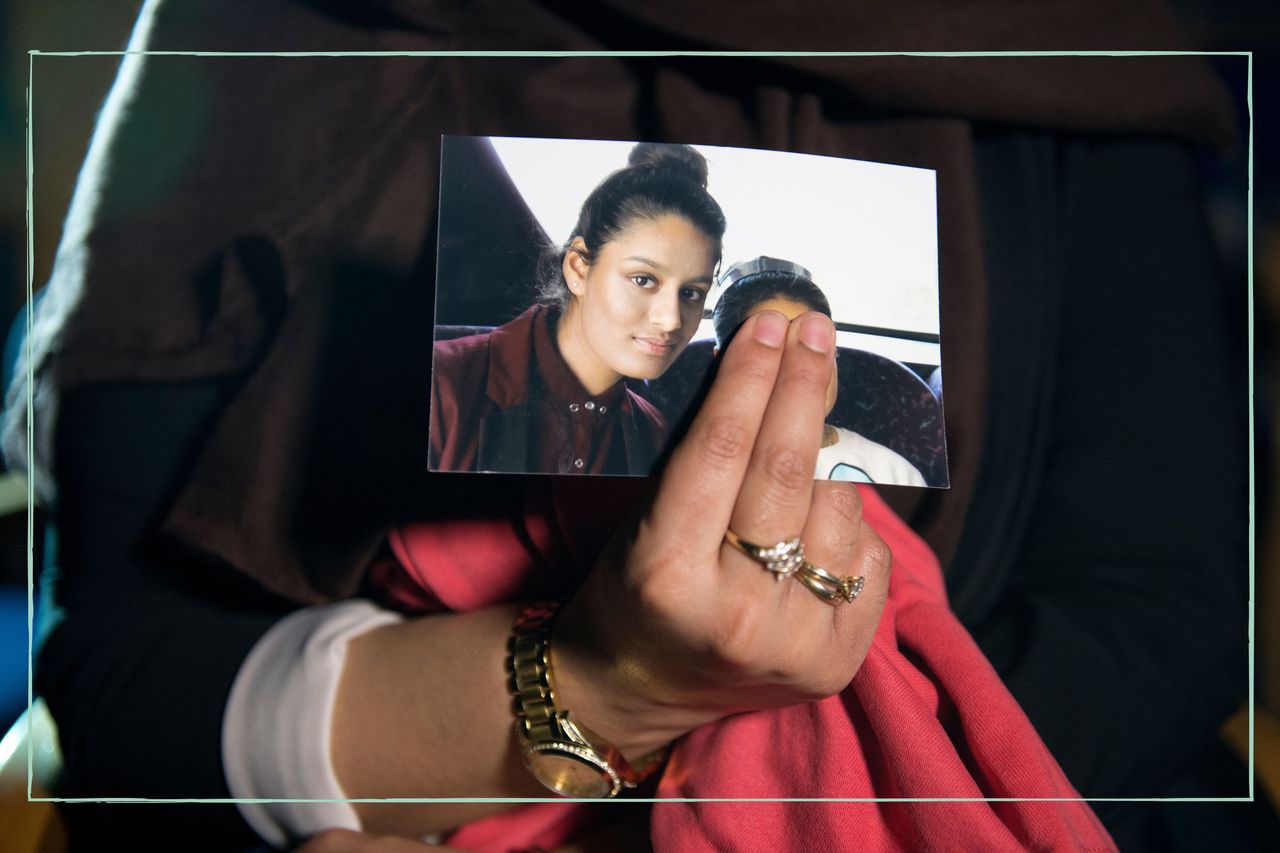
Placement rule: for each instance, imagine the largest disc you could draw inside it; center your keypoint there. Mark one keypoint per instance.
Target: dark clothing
(302, 267)
(276, 267)
(1091, 520)
(506, 401)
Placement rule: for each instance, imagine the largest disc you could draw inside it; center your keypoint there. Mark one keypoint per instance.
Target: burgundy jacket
(484, 397)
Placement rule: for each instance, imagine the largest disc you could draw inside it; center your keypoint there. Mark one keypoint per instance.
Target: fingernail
(771, 328)
(817, 333)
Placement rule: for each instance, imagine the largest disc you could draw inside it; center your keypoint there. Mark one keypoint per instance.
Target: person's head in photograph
(632, 280)
(768, 284)
(774, 284)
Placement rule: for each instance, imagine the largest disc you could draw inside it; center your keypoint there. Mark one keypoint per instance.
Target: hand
(674, 627)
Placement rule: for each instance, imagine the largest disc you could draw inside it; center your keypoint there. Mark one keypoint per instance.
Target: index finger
(700, 484)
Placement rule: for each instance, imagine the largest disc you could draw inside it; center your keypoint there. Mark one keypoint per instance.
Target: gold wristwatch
(559, 751)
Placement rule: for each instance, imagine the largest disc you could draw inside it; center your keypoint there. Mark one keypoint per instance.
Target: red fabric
(925, 717)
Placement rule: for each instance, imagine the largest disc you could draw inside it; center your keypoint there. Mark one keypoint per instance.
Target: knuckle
(881, 597)
(651, 591)
(845, 500)
(874, 561)
(761, 366)
(653, 599)
(844, 541)
(879, 557)
(751, 367)
(733, 636)
(823, 678)
(724, 441)
(840, 535)
(845, 662)
(810, 373)
(787, 469)
(836, 680)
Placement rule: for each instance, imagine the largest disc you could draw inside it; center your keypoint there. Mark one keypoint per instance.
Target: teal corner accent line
(31, 503)
(553, 54)
(428, 800)
(1253, 521)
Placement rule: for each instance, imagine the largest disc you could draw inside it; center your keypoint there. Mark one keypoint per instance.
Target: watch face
(571, 770)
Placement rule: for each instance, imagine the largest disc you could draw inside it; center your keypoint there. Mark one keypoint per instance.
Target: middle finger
(773, 502)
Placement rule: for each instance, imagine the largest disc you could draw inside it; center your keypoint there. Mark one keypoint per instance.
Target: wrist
(557, 746)
(601, 702)
(560, 751)
(614, 692)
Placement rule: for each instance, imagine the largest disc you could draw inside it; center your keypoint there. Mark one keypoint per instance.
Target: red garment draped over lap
(925, 717)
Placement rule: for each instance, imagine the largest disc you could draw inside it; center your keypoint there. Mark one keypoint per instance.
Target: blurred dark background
(64, 107)
(67, 92)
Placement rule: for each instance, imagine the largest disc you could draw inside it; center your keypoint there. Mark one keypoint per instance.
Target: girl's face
(636, 306)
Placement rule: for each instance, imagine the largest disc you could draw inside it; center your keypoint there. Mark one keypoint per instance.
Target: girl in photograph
(546, 392)
(772, 284)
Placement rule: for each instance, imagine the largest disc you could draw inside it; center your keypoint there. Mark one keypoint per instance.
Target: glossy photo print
(584, 289)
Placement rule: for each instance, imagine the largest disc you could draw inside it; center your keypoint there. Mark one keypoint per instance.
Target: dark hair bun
(676, 159)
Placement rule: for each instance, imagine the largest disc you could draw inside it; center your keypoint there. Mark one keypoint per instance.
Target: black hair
(659, 179)
(735, 304)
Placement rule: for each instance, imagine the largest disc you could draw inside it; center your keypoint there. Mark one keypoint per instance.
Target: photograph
(585, 288)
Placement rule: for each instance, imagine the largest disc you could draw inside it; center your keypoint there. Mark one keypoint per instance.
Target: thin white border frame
(529, 54)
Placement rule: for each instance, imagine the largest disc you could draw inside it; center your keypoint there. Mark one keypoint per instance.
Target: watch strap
(540, 725)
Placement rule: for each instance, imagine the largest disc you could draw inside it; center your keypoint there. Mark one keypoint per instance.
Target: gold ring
(783, 559)
(831, 589)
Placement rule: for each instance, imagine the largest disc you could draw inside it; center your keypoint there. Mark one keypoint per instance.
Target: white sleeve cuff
(276, 727)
